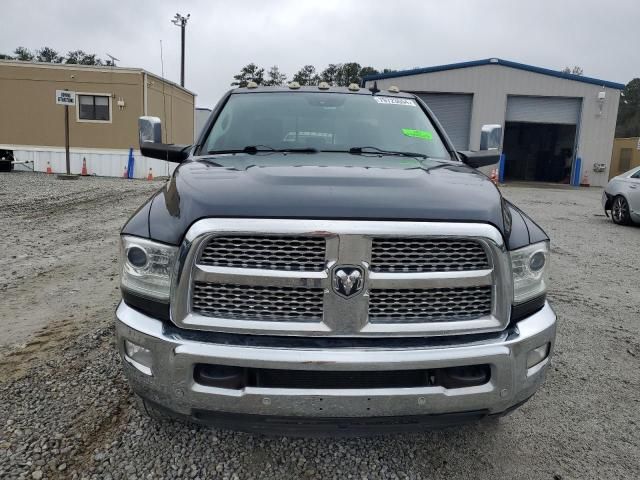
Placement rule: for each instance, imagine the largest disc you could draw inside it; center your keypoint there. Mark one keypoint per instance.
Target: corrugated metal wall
(453, 110)
(98, 163)
(543, 109)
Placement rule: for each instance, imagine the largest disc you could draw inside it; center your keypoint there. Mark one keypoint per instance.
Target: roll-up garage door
(543, 109)
(454, 113)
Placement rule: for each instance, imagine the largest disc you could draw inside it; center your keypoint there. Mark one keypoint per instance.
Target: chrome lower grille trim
(260, 300)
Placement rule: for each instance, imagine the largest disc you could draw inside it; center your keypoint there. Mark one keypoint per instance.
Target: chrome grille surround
(347, 243)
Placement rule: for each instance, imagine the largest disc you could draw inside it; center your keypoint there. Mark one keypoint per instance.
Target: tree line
(49, 55)
(628, 124)
(335, 74)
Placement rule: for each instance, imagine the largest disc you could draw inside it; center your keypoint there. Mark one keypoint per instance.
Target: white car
(622, 197)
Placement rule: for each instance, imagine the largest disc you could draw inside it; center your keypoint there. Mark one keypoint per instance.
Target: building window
(94, 108)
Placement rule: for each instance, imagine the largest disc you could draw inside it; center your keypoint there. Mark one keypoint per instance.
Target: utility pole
(181, 22)
(66, 98)
(66, 139)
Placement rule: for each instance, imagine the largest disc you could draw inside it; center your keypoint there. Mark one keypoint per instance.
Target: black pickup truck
(324, 259)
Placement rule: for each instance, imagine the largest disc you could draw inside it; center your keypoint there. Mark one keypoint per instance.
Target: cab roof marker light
(252, 85)
(354, 87)
(393, 89)
(294, 85)
(323, 86)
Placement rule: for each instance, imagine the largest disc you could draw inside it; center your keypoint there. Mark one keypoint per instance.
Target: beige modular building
(625, 155)
(103, 124)
(557, 127)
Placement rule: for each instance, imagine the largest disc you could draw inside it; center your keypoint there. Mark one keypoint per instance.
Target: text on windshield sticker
(396, 101)
(423, 134)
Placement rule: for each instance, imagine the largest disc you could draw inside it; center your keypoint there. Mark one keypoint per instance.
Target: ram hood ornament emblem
(347, 281)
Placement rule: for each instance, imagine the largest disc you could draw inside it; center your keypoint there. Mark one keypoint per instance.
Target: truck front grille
(436, 304)
(242, 302)
(427, 255)
(289, 277)
(268, 252)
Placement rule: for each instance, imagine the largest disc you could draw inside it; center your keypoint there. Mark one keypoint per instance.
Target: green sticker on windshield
(423, 134)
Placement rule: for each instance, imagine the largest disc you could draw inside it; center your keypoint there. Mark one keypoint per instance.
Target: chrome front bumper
(171, 384)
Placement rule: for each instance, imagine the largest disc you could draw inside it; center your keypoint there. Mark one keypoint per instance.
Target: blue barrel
(503, 158)
(577, 170)
(130, 164)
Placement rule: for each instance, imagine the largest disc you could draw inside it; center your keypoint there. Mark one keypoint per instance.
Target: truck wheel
(620, 211)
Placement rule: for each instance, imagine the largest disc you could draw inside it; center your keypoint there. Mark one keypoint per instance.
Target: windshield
(324, 122)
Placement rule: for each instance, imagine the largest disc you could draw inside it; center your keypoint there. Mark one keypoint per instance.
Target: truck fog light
(537, 355)
(138, 356)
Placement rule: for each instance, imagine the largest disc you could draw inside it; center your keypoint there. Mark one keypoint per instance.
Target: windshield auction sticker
(423, 134)
(396, 101)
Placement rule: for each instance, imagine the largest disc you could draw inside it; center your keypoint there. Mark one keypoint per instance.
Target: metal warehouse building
(103, 123)
(557, 127)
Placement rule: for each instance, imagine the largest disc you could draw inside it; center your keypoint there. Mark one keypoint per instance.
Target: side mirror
(490, 137)
(483, 158)
(489, 154)
(150, 136)
(149, 130)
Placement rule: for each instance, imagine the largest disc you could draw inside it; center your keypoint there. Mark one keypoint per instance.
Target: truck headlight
(146, 267)
(529, 266)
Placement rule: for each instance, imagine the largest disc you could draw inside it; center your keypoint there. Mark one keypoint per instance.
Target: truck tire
(620, 211)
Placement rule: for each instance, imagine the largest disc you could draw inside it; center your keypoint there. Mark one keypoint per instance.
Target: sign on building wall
(64, 97)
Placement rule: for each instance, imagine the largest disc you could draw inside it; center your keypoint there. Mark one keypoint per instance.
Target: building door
(540, 138)
(453, 110)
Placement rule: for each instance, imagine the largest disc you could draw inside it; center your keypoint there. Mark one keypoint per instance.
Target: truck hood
(294, 186)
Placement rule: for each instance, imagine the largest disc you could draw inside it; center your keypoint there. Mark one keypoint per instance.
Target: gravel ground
(67, 411)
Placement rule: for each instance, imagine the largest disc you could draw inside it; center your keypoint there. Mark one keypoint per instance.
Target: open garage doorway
(540, 136)
(541, 152)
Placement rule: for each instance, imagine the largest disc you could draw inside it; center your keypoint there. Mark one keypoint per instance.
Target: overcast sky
(222, 36)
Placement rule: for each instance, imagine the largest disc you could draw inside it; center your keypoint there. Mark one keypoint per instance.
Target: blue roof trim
(496, 61)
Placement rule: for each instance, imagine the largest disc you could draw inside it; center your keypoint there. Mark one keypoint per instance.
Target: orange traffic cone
(585, 179)
(49, 171)
(84, 167)
(494, 176)
(150, 176)
(125, 174)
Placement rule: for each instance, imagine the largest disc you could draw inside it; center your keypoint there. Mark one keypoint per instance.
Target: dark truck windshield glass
(324, 122)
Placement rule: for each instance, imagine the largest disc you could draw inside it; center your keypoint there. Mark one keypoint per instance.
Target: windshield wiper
(361, 150)
(253, 149)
